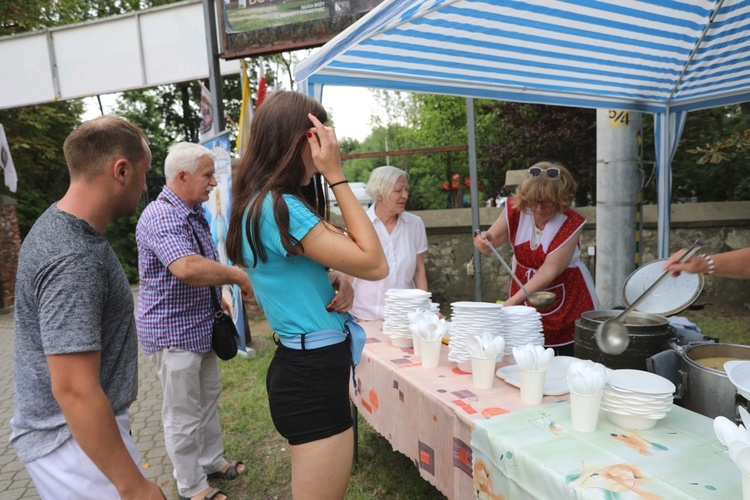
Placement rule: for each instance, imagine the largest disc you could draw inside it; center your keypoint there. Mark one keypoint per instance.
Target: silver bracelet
(711, 266)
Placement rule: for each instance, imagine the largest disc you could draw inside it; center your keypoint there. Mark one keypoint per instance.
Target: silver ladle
(612, 336)
(540, 300)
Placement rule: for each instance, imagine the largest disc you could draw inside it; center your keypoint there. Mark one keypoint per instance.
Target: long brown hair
(273, 163)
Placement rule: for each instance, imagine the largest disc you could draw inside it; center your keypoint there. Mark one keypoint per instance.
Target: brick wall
(10, 244)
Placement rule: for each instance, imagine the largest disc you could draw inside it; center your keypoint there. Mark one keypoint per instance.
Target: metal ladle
(540, 300)
(612, 336)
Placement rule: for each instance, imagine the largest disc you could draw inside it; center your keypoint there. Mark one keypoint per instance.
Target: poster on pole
(218, 210)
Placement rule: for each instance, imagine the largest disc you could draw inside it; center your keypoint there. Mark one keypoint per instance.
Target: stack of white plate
(521, 325)
(636, 399)
(471, 318)
(398, 304)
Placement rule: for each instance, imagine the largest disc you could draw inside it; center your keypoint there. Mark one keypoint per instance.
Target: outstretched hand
(325, 150)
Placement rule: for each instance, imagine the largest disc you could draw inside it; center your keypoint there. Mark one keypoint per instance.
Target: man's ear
(121, 169)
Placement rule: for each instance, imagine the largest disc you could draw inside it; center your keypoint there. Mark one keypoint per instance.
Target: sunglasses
(552, 172)
(544, 204)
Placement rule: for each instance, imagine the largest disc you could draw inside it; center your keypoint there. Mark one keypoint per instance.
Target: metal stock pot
(706, 390)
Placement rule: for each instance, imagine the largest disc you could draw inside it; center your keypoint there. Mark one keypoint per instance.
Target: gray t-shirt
(72, 296)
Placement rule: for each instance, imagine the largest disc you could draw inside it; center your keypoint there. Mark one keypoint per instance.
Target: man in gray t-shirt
(76, 358)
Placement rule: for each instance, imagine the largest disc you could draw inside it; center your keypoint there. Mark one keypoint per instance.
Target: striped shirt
(172, 313)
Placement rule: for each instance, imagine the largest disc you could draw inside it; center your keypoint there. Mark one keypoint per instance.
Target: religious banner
(218, 210)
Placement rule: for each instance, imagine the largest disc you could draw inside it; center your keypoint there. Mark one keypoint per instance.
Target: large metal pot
(649, 334)
(705, 390)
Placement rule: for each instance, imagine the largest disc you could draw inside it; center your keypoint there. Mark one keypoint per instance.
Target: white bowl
(402, 341)
(739, 374)
(464, 366)
(633, 422)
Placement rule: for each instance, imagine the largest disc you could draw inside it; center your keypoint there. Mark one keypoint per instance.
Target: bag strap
(214, 300)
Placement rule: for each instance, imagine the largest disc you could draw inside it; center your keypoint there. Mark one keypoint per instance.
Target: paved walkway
(146, 422)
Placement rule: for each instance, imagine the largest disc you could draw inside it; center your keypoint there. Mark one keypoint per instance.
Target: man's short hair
(95, 142)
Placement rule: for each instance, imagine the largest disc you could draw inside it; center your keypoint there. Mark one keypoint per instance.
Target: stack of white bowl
(521, 325)
(398, 304)
(471, 318)
(636, 399)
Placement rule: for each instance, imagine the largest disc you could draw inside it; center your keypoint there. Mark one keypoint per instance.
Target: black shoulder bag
(225, 338)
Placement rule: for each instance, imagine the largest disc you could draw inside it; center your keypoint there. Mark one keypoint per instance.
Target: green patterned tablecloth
(535, 453)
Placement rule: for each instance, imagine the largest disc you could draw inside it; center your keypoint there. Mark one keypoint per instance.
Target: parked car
(359, 190)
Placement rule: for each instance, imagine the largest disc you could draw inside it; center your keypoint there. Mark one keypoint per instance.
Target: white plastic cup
(416, 344)
(483, 372)
(430, 352)
(532, 386)
(745, 486)
(584, 411)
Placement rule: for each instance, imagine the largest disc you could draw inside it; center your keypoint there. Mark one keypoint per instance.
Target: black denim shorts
(308, 392)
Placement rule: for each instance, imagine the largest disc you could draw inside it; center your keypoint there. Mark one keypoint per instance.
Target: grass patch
(728, 327)
(249, 435)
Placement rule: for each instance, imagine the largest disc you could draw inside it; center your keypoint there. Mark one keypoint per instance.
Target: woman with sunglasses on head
(545, 235)
(279, 232)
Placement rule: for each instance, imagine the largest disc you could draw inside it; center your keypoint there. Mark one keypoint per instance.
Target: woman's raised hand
(325, 150)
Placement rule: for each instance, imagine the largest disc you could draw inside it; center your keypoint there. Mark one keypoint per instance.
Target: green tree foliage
(509, 136)
(524, 134)
(712, 162)
(35, 136)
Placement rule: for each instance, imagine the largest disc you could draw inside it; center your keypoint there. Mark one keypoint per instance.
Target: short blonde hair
(383, 180)
(560, 190)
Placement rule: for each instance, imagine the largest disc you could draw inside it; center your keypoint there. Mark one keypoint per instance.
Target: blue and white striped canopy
(665, 57)
(648, 56)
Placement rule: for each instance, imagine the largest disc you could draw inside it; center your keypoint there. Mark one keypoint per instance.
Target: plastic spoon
(612, 335)
(540, 300)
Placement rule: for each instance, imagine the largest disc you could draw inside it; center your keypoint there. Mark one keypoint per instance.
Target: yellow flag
(246, 113)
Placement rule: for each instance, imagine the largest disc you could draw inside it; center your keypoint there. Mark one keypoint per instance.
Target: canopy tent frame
(663, 57)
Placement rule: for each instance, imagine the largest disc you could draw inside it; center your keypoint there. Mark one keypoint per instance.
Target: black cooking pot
(649, 334)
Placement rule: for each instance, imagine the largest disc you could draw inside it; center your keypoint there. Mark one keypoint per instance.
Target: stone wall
(722, 226)
(10, 244)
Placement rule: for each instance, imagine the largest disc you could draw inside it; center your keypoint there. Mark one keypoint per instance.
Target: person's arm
(496, 235)
(357, 253)
(420, 273)
(197, 270)
(76, 388)
(734, 264)
(553, 266)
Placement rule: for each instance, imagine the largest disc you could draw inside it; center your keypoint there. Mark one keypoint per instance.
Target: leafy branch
(721, 150)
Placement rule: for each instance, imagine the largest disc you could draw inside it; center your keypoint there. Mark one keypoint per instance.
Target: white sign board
(139, 50)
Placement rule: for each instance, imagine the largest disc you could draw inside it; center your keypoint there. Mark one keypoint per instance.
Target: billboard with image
(256, 27)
